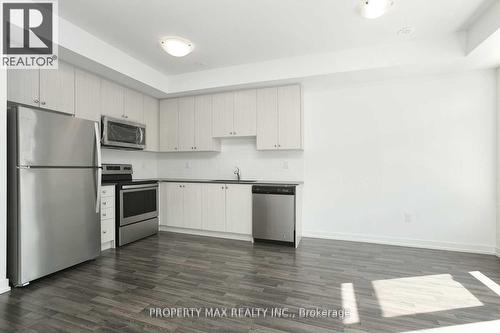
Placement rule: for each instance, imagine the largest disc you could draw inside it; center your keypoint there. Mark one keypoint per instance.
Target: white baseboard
(4, 286)
(419, 243)
(196, 232)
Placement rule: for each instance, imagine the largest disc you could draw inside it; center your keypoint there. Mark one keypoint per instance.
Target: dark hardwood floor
(396, 289)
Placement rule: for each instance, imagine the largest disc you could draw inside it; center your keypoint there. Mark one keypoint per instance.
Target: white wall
(241, 152)
(424, 147)
(4, 284)
(145, 164)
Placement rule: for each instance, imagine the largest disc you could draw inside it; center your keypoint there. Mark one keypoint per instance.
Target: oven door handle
(141, 186)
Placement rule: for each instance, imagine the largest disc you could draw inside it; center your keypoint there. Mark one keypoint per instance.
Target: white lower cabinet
(172, 207)
(213, 203)
(107, 217)
(181, 205)
(207, 206)
(192, 205)
(239, 209)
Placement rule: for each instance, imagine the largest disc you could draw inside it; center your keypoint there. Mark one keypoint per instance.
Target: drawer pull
(104, 231)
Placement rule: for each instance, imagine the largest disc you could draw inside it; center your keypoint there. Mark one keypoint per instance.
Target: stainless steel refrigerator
(54, 179)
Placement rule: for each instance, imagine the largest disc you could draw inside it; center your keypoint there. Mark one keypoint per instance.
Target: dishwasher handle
(274, 189)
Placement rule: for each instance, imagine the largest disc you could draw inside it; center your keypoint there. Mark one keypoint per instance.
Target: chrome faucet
(237, 172)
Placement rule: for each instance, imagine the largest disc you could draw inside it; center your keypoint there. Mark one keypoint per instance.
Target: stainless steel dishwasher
(273, 217)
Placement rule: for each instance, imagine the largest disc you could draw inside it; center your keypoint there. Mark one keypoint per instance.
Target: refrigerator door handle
(98, 191)
(99, 170)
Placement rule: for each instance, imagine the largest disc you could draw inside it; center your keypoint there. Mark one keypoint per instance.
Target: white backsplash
(145, 164)
(241, 152)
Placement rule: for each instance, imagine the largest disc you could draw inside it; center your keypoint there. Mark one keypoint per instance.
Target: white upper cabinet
(245, 113)
(279, 118)
(289, 118)
(133, 108)
(203, 137)
(112, 98)
(186, 123)
(267, 118)
(23, 86)
(151, 108)
(234, 113)
(52, 89)
(87, 95)
(57, 88)
(239, 209)
(169, 124)
(223, 114)
(213, 204)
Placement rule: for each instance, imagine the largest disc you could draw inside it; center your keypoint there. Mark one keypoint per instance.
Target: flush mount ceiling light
(176, 46)
(406, 31)
(372, 9)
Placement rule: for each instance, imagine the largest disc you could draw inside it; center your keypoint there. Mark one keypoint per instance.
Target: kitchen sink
(243, 181)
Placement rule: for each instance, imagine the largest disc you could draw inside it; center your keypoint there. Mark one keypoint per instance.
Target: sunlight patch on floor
(486, 281)
(479, 327)
(349, 303)
(422, 294)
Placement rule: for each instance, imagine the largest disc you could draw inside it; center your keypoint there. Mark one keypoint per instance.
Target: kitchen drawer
(107, 230)
(107, 191)
(107, 213)
(107, 202)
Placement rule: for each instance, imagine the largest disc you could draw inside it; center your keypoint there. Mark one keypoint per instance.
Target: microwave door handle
(99, 170)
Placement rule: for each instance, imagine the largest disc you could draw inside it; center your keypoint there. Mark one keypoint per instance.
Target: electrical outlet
(408, 218)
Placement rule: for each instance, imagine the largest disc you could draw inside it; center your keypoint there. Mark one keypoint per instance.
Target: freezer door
(57, 220)
(53, 139)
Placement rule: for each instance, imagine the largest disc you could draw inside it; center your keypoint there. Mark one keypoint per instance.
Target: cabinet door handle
(43, 103)
(104, 231)
(275, 145)
(234, 133)
(175, 148)
(231, 133)
(36, 100)
(222, 187)
(226, 187)
(279, 145)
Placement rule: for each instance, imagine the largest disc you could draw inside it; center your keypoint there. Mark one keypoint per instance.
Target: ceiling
(232, 32)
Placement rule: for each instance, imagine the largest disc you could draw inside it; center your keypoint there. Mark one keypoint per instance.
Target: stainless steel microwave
(124, 134)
